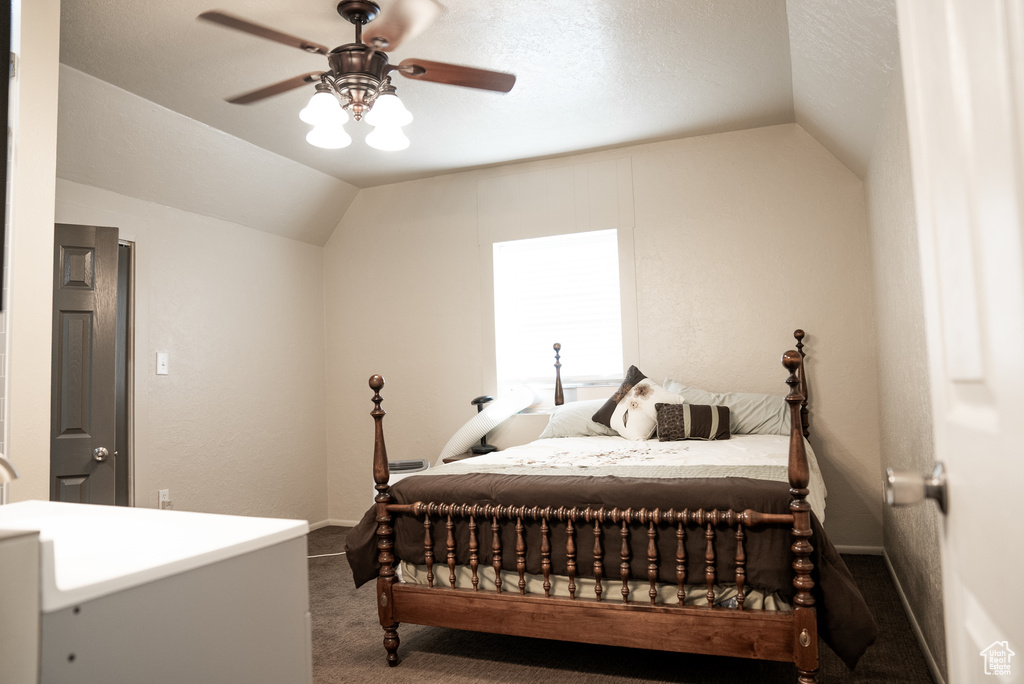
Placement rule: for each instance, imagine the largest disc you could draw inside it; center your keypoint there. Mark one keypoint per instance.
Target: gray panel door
(82, 452)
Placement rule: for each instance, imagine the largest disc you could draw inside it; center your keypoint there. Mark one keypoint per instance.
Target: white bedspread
(762, 457)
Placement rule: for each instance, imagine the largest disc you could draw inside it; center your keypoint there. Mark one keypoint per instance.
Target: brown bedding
(844, 621)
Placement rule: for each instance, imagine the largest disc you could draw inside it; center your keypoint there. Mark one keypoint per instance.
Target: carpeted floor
(347, 643)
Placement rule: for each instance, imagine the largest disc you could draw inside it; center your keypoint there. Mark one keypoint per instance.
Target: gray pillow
(762, 414)
(574, 420)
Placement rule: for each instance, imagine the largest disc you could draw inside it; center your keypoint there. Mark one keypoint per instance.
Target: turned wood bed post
(385, 532)
(559, 398)
(805, 631)
(802, 374)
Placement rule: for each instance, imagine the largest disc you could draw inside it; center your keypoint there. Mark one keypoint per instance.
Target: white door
(963, 66)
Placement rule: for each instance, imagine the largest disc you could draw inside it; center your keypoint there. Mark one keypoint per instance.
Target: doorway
(91, 420)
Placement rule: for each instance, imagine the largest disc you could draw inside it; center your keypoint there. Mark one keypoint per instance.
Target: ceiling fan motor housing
(357, 72)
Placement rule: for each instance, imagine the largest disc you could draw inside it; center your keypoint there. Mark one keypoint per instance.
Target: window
(564, 289)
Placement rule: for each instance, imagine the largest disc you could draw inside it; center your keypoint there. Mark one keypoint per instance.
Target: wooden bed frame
(788, 636)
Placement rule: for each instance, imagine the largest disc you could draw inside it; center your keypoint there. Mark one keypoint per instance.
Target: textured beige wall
(739, 238)
(237, 426)
(402, 282)
(911, 534)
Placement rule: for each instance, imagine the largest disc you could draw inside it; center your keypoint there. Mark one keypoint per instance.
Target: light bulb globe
(323, 108)
(330, 136)
(387, 139)
(388, 110)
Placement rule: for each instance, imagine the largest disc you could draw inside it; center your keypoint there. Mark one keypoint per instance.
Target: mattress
(759, 457)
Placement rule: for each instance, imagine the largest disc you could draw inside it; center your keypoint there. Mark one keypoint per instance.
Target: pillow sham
(763, 414)
(692, 421)
(574, 420)
(630, 411)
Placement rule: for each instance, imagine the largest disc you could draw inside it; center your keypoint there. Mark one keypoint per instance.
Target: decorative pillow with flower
(631, 410)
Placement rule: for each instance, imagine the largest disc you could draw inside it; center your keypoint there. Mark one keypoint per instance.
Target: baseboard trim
(933, 666)
(333, 521)
(860, 550)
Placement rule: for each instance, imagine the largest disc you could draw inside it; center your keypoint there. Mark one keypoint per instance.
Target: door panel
(75, 344)
(84, 334)
(73, 489)
(964, 106)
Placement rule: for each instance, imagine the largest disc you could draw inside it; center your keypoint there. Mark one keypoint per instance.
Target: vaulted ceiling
(591, 74)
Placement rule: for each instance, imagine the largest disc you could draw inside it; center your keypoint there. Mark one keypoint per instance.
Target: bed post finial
(385, 533)
(805, 627)
(380, 453)
(804, 418)
(559, 398)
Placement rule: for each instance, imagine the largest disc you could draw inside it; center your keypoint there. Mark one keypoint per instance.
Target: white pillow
(574, 420)
(763, 414)
(635, 416)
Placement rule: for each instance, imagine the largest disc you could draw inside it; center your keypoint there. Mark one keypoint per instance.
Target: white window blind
(564, 289)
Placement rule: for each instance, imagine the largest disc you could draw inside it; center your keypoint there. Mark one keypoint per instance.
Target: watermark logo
(998, 658)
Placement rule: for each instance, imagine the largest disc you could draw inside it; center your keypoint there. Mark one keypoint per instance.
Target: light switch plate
(161, 363)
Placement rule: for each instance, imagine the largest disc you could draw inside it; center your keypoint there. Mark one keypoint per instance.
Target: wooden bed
(634, 619)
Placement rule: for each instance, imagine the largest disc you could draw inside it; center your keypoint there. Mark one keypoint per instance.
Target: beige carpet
(347, 643)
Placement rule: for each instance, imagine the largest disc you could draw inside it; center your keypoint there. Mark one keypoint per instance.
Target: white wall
(739, 239)
(238, 424)
(30, 262)
(238, 427)
(905, 411)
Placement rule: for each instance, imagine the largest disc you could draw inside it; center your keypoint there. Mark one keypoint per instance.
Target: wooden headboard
(798, 334)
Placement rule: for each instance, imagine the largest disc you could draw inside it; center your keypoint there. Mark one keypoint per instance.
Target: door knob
(100, 454)
(903, 489)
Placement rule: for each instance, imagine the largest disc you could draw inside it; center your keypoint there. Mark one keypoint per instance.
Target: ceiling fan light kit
(329, 136)
(358, 82)
(387, 109)
(323, 107)
(387, 138)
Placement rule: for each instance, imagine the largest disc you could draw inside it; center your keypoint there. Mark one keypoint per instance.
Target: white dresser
(141, 595)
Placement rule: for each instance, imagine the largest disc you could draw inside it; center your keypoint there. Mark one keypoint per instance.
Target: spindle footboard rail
(634, 618)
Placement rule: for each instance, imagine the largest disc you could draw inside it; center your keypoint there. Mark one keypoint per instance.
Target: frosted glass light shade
(329, 136)
(323, 108)
(388, 110)
(387, 139)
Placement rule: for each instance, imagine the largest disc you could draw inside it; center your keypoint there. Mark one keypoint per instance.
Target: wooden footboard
(634, 619)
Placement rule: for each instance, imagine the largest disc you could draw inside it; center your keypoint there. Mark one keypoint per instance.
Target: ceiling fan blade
(403, 20)
(453, 74)
(276, 88)
(246, 26)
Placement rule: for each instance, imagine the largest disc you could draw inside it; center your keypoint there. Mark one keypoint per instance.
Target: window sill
(571, 393)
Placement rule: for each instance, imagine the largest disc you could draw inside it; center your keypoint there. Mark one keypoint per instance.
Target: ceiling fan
(358, 79)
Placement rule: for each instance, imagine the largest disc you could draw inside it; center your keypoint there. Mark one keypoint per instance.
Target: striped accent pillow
(692, 421)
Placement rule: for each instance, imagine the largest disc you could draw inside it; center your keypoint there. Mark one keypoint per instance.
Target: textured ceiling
(591, 74)
(842, 53)
(142, 109)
